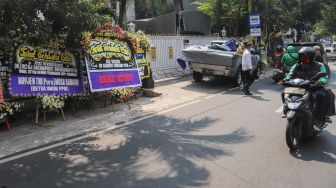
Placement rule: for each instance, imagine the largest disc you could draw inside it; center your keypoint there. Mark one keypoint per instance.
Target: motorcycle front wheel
(293, 135)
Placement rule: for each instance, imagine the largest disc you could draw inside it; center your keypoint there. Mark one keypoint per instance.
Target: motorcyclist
(318, 54)
(279, 52)
(319, 58)
(306, 69)
(289, 59)
(330, 94)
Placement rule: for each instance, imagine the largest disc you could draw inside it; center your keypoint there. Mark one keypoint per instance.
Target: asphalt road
(224, 140)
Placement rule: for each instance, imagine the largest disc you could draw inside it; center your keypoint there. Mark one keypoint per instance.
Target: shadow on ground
(321, 149)
(157, 152)
(258, 89)
(210, 85)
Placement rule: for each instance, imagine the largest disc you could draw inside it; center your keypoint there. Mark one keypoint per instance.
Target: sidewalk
(26, 135)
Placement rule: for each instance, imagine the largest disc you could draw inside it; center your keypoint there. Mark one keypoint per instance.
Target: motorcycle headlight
(294, 105)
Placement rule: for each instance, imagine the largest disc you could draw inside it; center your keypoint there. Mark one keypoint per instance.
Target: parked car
(216, 59)
(331, 55)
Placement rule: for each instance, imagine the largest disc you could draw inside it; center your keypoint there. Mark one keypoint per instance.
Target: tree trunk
(122, 12)
(249, 6)
(299, 32)
(179, 3)
(238, 16)
(267, 45)
(218, 14)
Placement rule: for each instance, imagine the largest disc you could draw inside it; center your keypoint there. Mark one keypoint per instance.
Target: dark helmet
(279, 48)
(306, 55)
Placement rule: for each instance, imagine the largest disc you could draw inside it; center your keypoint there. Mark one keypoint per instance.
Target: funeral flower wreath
(8, 109)
(123, 94)
(51, 103)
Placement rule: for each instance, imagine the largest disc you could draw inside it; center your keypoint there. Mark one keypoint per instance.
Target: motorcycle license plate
(294, 90)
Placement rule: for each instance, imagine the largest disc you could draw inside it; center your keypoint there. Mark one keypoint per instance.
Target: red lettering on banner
(124, 78)
(107, 79)
(111, 79)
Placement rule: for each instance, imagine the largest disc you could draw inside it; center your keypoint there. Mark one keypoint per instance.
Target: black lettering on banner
(41, 61)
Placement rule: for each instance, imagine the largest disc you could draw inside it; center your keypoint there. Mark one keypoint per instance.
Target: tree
(39, 21)
(223, 13)
(327, 25)
(122, 12)
(154, 8)
(218, 13)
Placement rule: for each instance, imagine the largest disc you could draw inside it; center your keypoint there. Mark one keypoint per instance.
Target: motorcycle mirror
(319, 75)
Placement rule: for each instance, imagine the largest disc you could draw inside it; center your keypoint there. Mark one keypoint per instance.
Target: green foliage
(277, 15)
(223, 13)
(153, 8)
(229, 7)
(327, 25)
(39, 21)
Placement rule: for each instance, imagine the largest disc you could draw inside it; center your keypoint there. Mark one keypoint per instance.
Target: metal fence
(166, 49)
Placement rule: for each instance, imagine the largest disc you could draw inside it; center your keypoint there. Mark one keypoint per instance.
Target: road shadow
(258, 89)
(258, 98)
(320, 148)
(168, 82)
(157, 152)
(210, 85)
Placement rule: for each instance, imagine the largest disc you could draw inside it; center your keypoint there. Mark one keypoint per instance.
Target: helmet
(307, 55)
(290, 49)
(279, 48)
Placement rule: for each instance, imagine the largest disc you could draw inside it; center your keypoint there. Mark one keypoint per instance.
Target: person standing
(247, 68)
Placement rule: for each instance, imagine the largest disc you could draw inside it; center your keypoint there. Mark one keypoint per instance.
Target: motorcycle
(280, 73)
(299, 109)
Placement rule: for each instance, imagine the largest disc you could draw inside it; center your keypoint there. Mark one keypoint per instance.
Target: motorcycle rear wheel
(293, 136)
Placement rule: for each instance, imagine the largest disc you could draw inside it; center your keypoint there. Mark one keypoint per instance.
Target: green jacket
(290, 59)
(297, 71)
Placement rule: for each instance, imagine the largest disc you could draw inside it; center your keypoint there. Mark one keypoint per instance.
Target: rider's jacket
(290, 59)
(297, 71)
(319, 59)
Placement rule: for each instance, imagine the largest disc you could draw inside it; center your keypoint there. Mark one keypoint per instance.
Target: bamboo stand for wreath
(7, 124)
(44, 115)
(113, 107)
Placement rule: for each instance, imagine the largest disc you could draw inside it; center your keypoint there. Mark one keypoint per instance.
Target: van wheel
(198, 77)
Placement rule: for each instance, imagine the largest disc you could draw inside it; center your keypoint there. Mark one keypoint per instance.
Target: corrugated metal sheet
(177, 43)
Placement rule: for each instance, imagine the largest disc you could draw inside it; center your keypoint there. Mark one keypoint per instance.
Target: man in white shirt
(248, 76)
